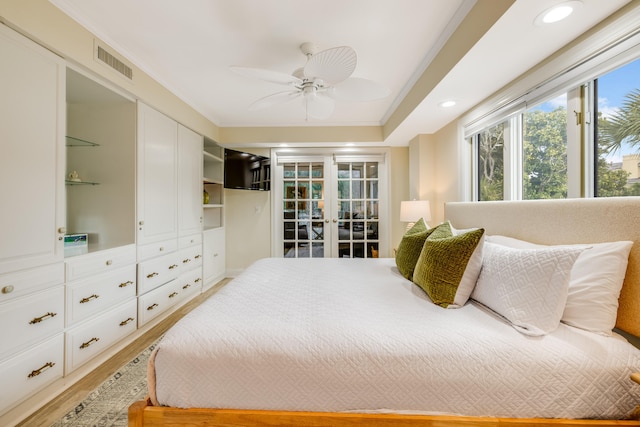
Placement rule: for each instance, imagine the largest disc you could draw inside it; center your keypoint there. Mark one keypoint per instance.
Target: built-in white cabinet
(157, 172)
(32, 82)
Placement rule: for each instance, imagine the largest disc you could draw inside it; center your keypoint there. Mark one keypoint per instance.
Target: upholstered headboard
(566, 221)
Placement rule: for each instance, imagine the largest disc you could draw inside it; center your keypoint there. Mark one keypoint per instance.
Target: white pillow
(595, 282)
(528, 287)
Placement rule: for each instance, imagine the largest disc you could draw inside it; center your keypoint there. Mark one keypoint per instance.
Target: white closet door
(157, 176)
(32, 112)
(190, 146)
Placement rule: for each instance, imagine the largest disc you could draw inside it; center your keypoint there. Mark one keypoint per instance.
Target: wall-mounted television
(246, 171)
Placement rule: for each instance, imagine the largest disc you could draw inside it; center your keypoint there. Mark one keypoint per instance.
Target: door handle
(327, 221)
(335, 220)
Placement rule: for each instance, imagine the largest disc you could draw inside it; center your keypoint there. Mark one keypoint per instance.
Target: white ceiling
(188, 46)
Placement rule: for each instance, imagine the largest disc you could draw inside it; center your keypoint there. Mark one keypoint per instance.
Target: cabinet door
(32, 161)
(213, 251)
(189, 181)
(157, 176)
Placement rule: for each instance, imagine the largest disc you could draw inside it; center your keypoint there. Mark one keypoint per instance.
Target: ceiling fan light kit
(326, 77)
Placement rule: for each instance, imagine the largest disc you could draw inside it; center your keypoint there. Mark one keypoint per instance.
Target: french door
(330, 206)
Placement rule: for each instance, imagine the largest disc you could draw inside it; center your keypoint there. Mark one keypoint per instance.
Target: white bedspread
(354, 335)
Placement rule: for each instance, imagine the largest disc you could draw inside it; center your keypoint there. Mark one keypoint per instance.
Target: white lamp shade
(413, 210)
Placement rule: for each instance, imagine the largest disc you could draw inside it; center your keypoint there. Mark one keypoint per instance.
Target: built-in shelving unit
(213, 185)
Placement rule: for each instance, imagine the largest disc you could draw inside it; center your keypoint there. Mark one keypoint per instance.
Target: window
(526, 153)
(544, 150)
(617, 142)
(490, 146)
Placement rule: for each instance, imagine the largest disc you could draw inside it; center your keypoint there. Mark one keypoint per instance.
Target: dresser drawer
(31, 370)
(190, 283)
(190, 257)
(154, 303)
(99, 262)
(90, 296)
(153, 250)
(93, 337)
(157, 271)
(17, 284)
(192, 240)
(29, 319)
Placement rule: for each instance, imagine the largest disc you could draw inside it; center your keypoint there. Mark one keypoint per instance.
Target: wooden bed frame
(540, 221)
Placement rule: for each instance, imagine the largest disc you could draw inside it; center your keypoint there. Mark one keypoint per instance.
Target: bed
(297, 342)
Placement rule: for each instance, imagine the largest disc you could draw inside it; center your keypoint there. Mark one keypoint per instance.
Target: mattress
(336, 335)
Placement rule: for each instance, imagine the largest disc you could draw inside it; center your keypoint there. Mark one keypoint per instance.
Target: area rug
(107, 405)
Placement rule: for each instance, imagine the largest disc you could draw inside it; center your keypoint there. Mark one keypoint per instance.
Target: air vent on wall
(102, 55)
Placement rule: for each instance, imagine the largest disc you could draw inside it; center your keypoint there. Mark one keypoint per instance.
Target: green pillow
(411, 244)
(448, 268)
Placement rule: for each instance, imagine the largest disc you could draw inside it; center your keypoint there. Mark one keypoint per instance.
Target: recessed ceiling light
(558, 12)
(447, 104)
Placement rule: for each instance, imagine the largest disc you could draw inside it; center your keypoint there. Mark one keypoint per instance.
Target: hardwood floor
(75, 394)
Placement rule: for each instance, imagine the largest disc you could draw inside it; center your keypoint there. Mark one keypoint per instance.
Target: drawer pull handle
(87, 299)
(109, 262)
(173, 294)
(43, 317)
(41, 370)
(151, 307)
(7, 289)
(198, 256)
(125, 284)
(184, 261)
(172, 266)
(149, 276)
(124, 322)
(88, 343)
(197, 280)
(187, 286)
(161, 248)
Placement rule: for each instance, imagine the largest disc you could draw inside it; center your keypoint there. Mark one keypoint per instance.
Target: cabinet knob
(140, 222)
(7, 289)
(62, 230)
(109, 262)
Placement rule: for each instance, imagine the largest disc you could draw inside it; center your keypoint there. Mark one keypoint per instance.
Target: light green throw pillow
(411, 244)
(448, 268)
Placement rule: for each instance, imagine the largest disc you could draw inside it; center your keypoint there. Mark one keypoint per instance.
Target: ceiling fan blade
(332, 65)
(266, 75)
(357, 89)
(274, 99)
(318, 106)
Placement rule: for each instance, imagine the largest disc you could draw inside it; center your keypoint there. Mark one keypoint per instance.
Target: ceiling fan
(326, 77)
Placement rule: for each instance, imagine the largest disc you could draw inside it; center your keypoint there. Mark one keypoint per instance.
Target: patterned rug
(107, 405)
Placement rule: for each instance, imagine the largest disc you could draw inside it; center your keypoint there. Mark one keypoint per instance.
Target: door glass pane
(372, 189)
(289, 230)
(317, 210)
(372, 210)
(372, 170)
(357, 189)
(317, 170)
(343, 170)
(491, 163)
(372, 250)
(617, 169)
(343, 189)
(357, 170)
(344, 230)
(289, 249)
(303, 170)
(317, 230)
(303, 210)
(372, 231)
(289, 170)
(289, 188)
(344, 250)
(317, 250)
(317, 190)
(544, 147)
